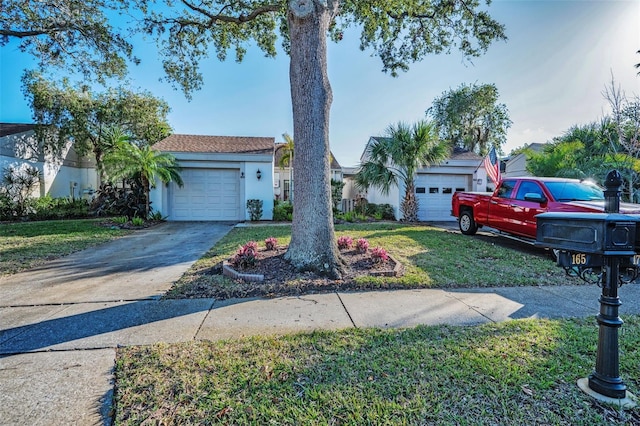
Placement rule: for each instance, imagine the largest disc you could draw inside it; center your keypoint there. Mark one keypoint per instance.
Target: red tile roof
(216, 144)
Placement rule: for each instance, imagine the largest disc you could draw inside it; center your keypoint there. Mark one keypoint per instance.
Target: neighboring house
(516, 165)
(282, 185)
(220, 174)
(70, 176)
(435, 185)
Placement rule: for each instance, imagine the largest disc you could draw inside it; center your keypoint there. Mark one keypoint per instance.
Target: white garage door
(207, 194)
(434, 193)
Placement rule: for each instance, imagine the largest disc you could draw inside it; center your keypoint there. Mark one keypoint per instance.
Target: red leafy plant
(362, 245)
(271, 243)
(379, 255)
(345, 242)
(246, 255)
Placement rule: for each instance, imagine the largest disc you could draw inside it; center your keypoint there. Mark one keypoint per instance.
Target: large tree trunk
(313, 246)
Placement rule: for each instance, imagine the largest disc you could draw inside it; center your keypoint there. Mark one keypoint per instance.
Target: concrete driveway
(142, 265)
(61, 322)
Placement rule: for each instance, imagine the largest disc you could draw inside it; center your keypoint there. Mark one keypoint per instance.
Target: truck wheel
(467, 224)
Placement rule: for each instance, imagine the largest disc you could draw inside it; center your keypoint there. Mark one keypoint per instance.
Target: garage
(434, 193)
(207, 194)
(220, 174)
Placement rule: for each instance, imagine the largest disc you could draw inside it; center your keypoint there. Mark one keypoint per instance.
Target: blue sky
(550, 74)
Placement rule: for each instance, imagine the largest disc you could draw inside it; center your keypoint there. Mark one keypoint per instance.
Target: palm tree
(287, 160)
(396, 158)
(128, 160)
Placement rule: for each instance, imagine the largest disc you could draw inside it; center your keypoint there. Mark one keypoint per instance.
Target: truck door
(500, 211)
(529, 201)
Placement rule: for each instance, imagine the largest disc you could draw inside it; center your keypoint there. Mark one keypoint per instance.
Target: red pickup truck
(513, 206)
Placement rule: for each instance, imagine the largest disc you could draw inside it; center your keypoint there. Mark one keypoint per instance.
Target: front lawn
(24, 245)
(515, 373)
(432, 257)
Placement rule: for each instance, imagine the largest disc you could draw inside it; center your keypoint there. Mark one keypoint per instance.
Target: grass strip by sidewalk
(521, 372)
(432, 257)
(25, 245)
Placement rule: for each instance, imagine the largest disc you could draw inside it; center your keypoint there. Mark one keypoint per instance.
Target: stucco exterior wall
(69, 176)
(250, 186)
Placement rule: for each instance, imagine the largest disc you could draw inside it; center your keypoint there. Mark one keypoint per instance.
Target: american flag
(492, 165)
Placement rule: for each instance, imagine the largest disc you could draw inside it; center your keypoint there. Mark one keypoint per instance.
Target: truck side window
(506, 188)
(528, 188)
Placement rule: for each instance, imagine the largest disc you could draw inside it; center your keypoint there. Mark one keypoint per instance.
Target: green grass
(26, 245)
(515, 373)
(432, 257)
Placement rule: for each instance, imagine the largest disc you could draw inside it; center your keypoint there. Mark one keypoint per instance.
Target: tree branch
(33, 33)
(242, 18)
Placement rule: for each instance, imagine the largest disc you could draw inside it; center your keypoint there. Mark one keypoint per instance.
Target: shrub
(120, 219)
(336, 193)
(157, 216)
(255, 209)
(370, 209)
(283, 211)
(17, 185)
(137, 221)
(362, 245)
(129, 201)
(345, 242)
(59, 208)
(353, 217)
(246, 255)
(271, 243)
(386, 212)
(379, 255)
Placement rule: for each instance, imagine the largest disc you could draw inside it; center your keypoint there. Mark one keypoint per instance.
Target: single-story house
(70, 176)
(282, 182)
(435, 185)
(220, 174)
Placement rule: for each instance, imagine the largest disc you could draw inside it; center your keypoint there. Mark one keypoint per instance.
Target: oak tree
(398, 31)
(64, 114)
(470, 117)
(74, 35)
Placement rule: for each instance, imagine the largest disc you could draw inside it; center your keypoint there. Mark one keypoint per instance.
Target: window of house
(434, 190)
(286, 190)
(460, 189)
(421, 190)
(447, 190)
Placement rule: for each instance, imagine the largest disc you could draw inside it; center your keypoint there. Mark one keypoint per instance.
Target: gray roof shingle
(216, 144)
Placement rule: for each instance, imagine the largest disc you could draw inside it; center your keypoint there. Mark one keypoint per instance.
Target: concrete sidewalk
(57, 365)
(60, 326)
